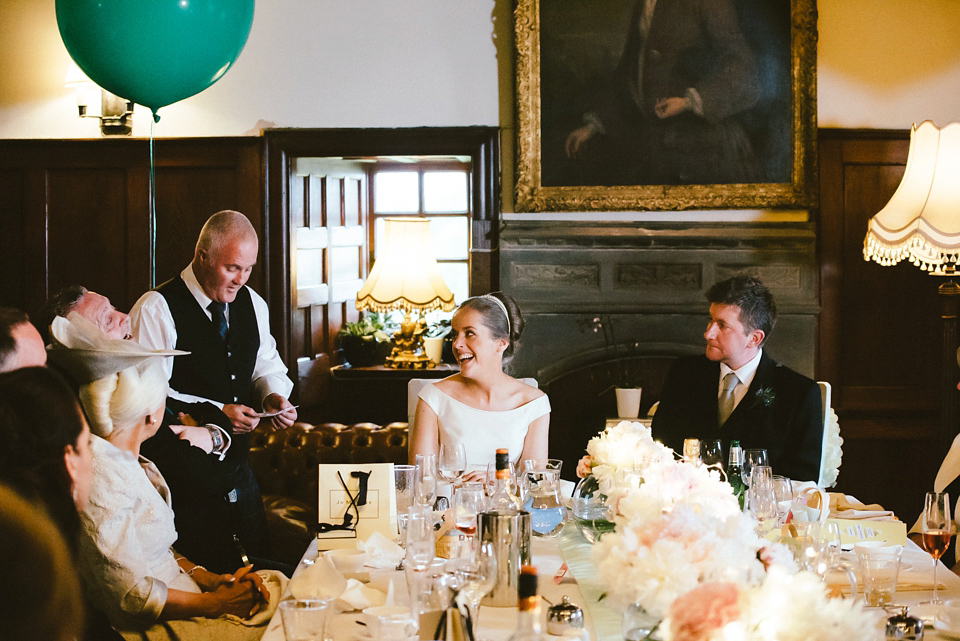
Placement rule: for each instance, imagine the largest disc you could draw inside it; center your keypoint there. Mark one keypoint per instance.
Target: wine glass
(425, 491)
(468, 501)
(752, 458)
(452, 462)
(476, 575)
(711, 453)
(937, 530)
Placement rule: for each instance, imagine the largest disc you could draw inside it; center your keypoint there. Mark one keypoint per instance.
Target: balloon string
(152, 253)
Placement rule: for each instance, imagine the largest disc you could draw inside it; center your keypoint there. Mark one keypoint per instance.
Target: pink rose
(708, 607)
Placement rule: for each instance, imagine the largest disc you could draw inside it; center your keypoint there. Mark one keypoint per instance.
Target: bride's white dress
(482, 432)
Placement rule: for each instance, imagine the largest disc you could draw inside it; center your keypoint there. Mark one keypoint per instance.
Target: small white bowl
(347, 560)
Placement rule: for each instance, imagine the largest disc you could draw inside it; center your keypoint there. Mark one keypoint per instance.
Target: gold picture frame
(565, 48)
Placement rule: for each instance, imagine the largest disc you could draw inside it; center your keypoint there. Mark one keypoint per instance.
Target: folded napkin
(358, 596)
(320, 580)
(382, 553)
(844, 506)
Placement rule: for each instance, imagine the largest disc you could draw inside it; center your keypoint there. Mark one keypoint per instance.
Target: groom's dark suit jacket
(781, 412)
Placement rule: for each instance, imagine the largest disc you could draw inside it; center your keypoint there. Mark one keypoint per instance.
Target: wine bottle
(503, 497)
(529, 627)
(735, 472)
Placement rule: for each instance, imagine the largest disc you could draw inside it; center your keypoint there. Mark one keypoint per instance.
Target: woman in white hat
(128, 564)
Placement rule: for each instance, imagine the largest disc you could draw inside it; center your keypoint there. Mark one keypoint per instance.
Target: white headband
(503, 307)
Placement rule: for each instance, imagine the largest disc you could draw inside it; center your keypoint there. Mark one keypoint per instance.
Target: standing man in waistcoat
(233, 363)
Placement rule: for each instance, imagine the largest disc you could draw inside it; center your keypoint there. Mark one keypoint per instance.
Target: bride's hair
(120, 401)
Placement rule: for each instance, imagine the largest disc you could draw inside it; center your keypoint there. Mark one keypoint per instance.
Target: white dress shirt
(153, 327)
(745, 375)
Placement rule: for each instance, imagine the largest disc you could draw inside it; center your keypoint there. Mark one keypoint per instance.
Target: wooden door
(328, 232)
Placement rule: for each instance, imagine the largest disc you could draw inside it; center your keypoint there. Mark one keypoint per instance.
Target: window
(437, 189)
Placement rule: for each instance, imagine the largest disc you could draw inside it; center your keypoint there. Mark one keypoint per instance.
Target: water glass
(404, 481)
(425, 491)
(783, 495)
(305, 619)
(879, 567)
(468, 501)
(395, 627)
(420, 547)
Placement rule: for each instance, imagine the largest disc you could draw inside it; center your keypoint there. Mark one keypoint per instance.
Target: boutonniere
(766, 396)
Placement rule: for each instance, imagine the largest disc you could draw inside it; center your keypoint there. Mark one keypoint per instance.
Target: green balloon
(155, 52)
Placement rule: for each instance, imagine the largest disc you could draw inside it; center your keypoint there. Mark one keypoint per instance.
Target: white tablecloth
(602, 621)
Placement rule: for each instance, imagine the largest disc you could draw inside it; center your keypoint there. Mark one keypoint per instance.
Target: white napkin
(318, 580)
(358, 596)
(382, 553)
(322, 579)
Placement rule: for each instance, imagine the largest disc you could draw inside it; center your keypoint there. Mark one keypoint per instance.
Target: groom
(736, 392)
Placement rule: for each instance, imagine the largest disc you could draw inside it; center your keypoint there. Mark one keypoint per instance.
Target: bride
(483, 407)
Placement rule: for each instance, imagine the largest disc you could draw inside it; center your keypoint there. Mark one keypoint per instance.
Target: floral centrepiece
(680, 535)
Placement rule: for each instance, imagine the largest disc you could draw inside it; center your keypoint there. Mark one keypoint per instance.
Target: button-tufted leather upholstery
(285, 464)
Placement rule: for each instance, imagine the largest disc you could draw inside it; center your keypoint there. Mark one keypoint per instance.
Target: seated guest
(199, 481)
(737, 392)
(482, 407)
(127, 562)
(40, 592)
(46, 458)
(20, 342)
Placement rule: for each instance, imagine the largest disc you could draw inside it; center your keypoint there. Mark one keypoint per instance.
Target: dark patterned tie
(219, 317)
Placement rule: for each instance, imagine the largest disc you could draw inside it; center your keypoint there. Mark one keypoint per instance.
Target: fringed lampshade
(921, 223)
(406, 277)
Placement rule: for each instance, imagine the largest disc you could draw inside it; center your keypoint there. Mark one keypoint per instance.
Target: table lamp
(405, 277)
(921, 223)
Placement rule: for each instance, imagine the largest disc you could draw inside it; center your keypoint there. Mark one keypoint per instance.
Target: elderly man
(736, 392)
(190, 458)
(210, 312)
(20, 342)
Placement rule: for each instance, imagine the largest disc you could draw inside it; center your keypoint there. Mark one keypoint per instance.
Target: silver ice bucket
(509, 532)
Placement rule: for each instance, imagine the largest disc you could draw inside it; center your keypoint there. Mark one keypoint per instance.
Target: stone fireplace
(575, 282)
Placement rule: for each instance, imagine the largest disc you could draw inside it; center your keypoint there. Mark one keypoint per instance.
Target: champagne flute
(762, 503)
(937, 530)
(426, 487)
(452, 462)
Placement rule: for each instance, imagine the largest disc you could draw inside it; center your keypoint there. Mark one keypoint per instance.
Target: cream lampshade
(921, 223)
(406, 277)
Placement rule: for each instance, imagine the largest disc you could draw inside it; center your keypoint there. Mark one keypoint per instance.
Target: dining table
(565, 568)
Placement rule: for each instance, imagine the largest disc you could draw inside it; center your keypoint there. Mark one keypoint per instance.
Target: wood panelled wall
(880, 329)
(76, 211)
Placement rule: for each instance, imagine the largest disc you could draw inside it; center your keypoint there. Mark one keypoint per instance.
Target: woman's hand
(583, 466)
(475, 476)
(247, 574)
(239, 598)
(209, 581)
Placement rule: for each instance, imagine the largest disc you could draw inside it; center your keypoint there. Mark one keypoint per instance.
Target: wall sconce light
(116, 113)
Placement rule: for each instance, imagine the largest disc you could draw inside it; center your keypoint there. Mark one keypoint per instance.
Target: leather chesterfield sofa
(285, 464)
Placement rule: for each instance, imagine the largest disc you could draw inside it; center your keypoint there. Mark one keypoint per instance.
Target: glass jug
(541, 487)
